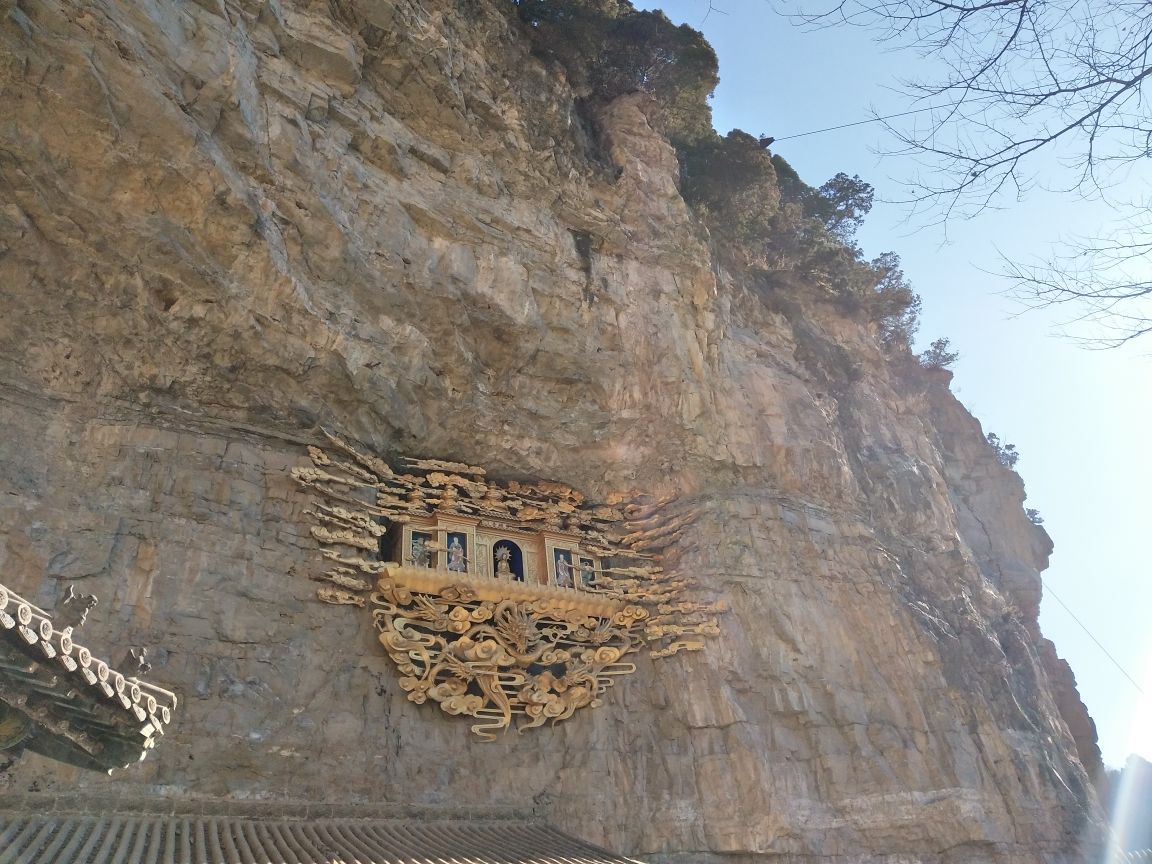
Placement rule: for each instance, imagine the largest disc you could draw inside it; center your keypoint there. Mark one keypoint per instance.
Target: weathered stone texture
(224, 223)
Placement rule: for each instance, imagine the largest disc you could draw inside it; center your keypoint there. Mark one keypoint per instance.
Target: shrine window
(385, 540)
(420, 549)
(562, 569)
(508, 560)
(488, 549)
(586, 573)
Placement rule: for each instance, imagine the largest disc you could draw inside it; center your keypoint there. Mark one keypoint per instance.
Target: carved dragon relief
(486, 647)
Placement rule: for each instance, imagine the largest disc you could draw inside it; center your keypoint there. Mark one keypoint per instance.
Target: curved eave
(77, 708)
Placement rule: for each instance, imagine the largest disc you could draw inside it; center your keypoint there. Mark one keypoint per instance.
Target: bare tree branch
(1020, 78)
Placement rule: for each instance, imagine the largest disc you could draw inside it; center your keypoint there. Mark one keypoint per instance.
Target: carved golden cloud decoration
(500, 603)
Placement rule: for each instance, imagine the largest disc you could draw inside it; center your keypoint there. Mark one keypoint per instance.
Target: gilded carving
(339, 597)
(519, 627)
(343, 577)
(501, 661)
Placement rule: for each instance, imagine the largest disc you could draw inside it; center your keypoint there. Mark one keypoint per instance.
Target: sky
(1078, 417)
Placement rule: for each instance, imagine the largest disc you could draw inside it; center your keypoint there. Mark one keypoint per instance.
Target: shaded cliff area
(227, 223)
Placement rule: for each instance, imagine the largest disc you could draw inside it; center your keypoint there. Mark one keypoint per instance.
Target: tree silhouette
(1006, 454)
(1024, 83)
(939, 355)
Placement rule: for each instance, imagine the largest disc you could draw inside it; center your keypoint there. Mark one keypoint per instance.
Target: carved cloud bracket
(495, 650)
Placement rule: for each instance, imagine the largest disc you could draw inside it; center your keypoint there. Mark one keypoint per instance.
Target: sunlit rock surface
(226, 223)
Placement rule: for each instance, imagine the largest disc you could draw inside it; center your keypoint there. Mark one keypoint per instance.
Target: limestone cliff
(225, 223)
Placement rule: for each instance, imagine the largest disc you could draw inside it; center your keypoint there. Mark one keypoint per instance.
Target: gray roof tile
(198, 839)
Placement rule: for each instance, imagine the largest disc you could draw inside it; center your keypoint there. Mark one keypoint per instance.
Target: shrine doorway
(508, 560)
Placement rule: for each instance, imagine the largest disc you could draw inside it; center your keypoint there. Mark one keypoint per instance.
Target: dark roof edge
(100, 803)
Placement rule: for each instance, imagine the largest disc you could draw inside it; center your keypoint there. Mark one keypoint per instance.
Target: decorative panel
(512, 604)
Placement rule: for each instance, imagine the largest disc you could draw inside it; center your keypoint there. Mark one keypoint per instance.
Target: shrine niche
(516, 603)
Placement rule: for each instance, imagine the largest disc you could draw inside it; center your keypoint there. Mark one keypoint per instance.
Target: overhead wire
(862, 122)
(1107, 654)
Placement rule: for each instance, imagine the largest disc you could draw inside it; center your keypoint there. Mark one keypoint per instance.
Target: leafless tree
(1021, 91)
(1107, 279)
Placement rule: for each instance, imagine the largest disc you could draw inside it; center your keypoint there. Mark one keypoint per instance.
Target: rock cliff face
(225, 223)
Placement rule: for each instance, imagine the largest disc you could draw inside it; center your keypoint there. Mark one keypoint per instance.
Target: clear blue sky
(1080, 418)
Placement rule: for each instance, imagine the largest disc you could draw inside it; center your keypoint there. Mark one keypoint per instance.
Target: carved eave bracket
(512, 605)
(61, 701)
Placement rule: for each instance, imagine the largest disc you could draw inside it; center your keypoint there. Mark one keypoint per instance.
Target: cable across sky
(1099, 644)
(862, 122)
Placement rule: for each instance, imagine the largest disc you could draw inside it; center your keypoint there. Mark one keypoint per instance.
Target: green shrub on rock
(758, 209)
(609, 49)
(731, 184)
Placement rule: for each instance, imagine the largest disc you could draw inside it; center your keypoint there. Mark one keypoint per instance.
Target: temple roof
(60, 700)
(268, 838)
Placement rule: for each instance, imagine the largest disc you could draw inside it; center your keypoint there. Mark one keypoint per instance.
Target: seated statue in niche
(456, 559)
(503, 568)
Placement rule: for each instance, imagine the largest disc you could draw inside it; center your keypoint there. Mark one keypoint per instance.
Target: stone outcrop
(225, 223)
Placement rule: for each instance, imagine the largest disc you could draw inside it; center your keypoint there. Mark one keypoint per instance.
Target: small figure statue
(74, 608)
(421, 555)
(587, 573)
(456, 559)
(563, 571)
(140, 655)
(503, 567)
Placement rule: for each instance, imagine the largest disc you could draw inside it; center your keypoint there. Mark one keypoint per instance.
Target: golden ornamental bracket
(514, 604)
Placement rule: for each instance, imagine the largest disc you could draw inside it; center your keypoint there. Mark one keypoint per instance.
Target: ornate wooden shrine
(500, 601)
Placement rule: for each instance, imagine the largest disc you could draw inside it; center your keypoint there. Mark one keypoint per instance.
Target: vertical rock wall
(224, 223)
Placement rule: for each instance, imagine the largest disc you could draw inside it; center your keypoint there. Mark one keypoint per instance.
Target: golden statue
(503, 567)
